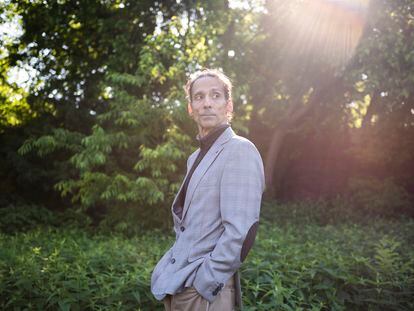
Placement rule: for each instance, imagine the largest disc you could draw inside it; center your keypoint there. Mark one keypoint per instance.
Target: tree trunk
(272, 155)
(296, 112)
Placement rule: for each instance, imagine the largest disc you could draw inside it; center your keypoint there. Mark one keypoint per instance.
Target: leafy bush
(291, 267)
(321, 212)
(348, 267)
(117, 219)
(24, 217)
(380, 197)
(134, 219)
(70, 270)
(363, 205)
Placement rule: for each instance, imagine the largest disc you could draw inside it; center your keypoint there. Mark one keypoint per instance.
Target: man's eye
(216, 95)
(197, 97)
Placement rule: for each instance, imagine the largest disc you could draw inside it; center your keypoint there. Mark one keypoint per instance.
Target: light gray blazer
(221, 205)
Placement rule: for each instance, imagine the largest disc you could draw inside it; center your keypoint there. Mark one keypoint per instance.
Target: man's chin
(208, 124)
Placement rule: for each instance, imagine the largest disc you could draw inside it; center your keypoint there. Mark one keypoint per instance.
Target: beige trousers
(191, 300)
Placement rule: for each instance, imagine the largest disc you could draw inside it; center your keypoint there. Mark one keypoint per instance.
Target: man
(216, 210)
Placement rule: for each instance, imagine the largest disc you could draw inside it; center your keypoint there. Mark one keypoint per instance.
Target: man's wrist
(208, 290)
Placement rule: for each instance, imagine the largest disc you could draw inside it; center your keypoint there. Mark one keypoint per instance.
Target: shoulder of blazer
(228, 139)
(241, 142)
(227, 135)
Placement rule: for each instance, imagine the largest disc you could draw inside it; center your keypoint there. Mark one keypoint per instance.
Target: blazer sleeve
(241, 189)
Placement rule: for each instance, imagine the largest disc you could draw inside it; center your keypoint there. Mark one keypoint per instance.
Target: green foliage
(385, 55)
(297, 266)
(380, 197)
(89, 138)
(126, 145)
(103, 120)
(69, 270)
(347, 267)
(134, 157)
(14, 109)
(367, 199)
(57, 140)
(22, 218)
(322, 212)
(383, 73)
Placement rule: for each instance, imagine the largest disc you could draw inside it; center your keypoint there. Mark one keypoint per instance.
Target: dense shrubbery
(367, 199)
(296, 264)
(126, 221)
(23, 217)
(380, 197)
(348, 267)
(70, 270)
(361, 206)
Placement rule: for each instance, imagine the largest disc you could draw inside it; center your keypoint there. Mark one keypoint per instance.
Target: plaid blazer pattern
(222, 203)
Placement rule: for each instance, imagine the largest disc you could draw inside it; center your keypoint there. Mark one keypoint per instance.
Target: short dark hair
(215, 73)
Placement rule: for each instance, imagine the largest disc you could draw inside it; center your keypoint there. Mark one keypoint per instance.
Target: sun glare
(327, 29)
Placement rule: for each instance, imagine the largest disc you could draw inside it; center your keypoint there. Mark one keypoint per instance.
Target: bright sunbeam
(327, 29)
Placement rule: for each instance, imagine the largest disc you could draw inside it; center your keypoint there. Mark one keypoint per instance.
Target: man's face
(209, 107)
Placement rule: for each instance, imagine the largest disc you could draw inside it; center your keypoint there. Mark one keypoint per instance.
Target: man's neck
(203, 132)
(207, 141)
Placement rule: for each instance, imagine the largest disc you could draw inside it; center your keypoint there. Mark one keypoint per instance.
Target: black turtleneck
(205, 144)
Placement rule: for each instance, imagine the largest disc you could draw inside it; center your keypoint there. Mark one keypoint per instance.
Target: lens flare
(325, 29)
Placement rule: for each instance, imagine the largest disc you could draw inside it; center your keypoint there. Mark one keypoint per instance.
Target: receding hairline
(221, 87)
(213, 73)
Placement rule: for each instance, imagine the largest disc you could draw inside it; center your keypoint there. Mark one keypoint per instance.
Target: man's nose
(207, 101)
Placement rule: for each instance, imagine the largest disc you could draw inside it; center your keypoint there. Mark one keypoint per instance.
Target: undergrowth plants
(294, 265)
(346, 267)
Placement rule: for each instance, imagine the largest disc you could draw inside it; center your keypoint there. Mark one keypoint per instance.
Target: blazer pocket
(199, 252)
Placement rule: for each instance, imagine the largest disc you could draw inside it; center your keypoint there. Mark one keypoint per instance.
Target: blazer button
(182, 229)
(173, 260)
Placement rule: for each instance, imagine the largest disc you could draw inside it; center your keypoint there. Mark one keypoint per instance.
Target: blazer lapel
(202, 168)
(182, 184)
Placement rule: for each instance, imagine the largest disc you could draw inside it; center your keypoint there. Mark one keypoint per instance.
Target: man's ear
(190, 109)
(229, 106)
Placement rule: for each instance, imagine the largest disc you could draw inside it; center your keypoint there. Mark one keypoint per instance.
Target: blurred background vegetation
(94, 137)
